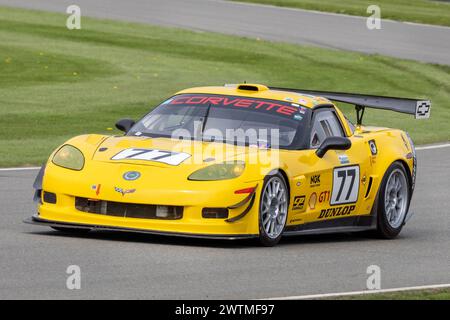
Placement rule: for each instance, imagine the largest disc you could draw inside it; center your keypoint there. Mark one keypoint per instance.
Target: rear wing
(420, 108)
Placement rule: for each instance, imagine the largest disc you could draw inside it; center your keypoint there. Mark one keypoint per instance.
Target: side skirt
(350, 224)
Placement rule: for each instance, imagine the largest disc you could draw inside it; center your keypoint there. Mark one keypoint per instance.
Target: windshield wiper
(205, 119)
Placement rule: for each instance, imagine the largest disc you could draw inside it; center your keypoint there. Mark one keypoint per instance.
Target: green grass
(56, 83)
(433, 294)
(421, 11)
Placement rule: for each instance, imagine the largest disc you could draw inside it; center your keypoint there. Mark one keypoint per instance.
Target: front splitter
(49, 223)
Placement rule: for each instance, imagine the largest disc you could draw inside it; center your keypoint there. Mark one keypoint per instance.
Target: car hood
(165, 152)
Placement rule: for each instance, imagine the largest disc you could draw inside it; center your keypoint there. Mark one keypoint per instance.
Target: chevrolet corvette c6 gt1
(238, 161)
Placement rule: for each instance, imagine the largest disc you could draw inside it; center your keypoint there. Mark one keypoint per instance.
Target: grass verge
(431, 294)
(420, 11)
(56, 83)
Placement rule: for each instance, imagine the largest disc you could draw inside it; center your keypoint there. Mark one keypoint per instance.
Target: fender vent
(369, 187)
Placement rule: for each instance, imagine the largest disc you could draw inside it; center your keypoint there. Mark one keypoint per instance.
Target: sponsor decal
(343, 159)
(312, 201)
(423, 109)
(237, 102)
(336, 212)
(315, 180)
(364, 180)
(324, 196)
(168, 157)
(124, 191)
(345, 185)
(373, 147)
(96, 188)
(131, 175)
(298, 203)
(298, 117)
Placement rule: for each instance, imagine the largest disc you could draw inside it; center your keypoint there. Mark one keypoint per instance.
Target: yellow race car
(238, 161)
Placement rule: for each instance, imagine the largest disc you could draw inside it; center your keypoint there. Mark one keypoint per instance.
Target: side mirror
(125, 124)
(333, 143)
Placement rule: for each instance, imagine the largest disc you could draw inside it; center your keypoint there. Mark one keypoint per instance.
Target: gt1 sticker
(345, 185)
(168, 157)
(324, 196)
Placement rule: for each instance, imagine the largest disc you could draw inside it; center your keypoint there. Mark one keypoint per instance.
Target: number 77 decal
(345, 185)
(168, 157)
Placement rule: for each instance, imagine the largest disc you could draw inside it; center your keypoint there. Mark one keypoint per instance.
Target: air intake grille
(128, 210)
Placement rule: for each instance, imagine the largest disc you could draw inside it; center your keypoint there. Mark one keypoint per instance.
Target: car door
(333, 180)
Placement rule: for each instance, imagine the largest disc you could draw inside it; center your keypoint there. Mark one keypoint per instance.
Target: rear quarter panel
(392, 145)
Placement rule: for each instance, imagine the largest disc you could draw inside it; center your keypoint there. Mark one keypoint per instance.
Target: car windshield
(230, 119)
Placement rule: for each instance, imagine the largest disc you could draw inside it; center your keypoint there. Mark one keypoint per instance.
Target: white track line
(355, 293)
(20, 169)
(437, 146)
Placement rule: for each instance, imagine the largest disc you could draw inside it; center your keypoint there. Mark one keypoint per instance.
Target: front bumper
(67, 185)
(35, 220)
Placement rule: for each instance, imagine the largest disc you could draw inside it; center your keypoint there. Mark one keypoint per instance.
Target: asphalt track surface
(33, 260)
(404, 40)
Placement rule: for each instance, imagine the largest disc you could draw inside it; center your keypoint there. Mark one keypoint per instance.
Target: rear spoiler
(420, 108)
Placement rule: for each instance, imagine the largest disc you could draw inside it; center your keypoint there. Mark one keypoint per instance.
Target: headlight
(69, 157)
(222, 171)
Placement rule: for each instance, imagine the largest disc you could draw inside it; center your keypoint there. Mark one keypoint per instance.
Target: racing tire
(273, 209)
(393, 201)
(71, 230)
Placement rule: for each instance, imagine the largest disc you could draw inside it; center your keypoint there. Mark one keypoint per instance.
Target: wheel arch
(404, 164)
(286, 179)
(409, 174)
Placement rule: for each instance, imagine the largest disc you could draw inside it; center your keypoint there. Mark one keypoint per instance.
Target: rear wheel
(71, 230)
(273, 209)
(393, 201)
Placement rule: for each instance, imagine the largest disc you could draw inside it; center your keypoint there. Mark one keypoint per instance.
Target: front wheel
(273, 209)
(393, 201)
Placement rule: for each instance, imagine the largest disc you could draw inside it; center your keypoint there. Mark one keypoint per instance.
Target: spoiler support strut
(359, 114)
